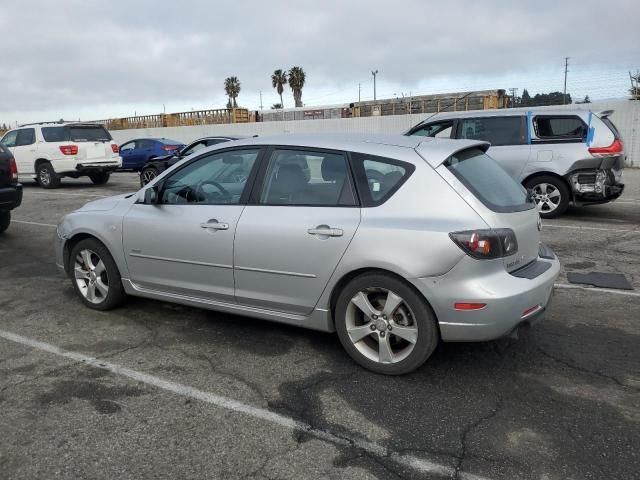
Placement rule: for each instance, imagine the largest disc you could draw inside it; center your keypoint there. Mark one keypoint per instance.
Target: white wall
(626, 118)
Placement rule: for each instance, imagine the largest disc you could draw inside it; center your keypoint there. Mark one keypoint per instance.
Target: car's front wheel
(47, 176)
(550, 194)
(99, 178)
(5, 220)
(95, 275)
(147, 175)
(384, 325)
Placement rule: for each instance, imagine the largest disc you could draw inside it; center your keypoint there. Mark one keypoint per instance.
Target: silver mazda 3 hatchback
(393, 242)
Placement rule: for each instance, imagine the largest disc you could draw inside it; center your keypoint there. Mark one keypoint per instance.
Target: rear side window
(488, 181)
(496, 130)
(88, 133)
(560, 127)
(305, 177)
(378, 177)
(26, 136)
(55, 134)
(438, 129)
(168, 141)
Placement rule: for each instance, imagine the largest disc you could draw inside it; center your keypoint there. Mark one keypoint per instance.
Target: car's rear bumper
(83, 167)
(511, 299)
(10, 197)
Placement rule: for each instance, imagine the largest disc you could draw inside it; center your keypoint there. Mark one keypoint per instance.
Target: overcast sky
(95, 59)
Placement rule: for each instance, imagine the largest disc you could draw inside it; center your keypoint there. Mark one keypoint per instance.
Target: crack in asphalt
(585, 370)
(465, 433)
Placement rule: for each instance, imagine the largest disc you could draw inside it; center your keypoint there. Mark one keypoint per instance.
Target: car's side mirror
(151, 196)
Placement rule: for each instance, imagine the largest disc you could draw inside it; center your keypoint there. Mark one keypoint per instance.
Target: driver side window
(216, 179)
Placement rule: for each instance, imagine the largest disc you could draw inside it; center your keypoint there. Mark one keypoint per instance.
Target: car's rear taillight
(13, 170)
(615, 148)
(486, 244)
(69, 149)
(114, 148)
(170, 148)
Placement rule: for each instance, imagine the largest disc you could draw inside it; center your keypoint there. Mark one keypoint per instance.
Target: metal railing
(181, 119)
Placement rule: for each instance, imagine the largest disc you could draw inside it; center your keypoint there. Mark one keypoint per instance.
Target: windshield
(488, 181)
(88, 133)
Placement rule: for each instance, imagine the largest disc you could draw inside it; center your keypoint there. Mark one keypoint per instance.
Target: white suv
(47, 152)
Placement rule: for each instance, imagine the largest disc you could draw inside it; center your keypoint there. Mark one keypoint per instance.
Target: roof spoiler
(605, 113)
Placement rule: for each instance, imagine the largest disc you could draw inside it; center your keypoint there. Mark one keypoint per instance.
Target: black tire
(558, 185)
(99, 178)
(147, 175)
(46, 176)
(5, 220)
(422, 317)
(116, 295)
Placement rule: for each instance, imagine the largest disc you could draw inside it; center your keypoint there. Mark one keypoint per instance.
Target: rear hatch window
(88, 133)
(488, 181)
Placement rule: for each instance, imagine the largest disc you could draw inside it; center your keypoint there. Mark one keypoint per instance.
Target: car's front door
(183, 245)
(302, 215)
(508, 138)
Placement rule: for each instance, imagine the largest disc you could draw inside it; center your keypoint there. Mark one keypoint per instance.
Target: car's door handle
(326, 231)
(215, 225)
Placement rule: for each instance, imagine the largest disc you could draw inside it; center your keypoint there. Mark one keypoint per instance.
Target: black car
(10, 189)
(153, 167)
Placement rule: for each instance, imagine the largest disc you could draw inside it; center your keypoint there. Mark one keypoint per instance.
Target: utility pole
(514, 92)
(260, 99)
(374, 73)
(566, 69)
(359, 90)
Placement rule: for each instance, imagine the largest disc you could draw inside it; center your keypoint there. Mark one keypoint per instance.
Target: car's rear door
(302, 216)
(507, 135)
(184, 244)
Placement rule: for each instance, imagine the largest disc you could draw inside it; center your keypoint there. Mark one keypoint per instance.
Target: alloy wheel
(547, 197)
(44, 176)
(148, 176)
(91, 276)
(381, 325)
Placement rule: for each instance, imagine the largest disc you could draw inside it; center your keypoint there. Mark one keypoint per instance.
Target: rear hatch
(94, 143)
(501, 201)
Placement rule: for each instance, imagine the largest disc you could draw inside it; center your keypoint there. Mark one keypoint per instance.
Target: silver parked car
(394, 242)
(562, 156)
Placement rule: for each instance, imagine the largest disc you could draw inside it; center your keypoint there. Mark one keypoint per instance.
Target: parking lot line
(578, 227)
(372, 449)
(69, 194)
(569, 286)
(13, 220)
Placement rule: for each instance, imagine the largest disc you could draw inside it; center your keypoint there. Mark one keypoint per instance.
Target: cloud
(69, 54)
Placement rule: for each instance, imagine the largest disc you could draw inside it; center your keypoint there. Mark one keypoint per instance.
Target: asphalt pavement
(155, 390)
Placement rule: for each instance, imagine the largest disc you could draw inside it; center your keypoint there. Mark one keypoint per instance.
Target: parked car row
(329, 232)
(562, 156)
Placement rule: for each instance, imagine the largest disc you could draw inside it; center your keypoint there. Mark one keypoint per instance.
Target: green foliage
(232, 89)
(543, 99)
(278, 81)
(297, 79)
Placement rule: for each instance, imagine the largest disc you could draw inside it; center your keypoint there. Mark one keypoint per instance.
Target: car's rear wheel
(550, 194)
(47, 176)
(5, 220)
(99, 178)
(384, 325)
(95, 276)
(147, 175)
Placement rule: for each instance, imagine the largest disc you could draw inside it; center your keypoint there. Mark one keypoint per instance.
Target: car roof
(433, 150)
(504, 112)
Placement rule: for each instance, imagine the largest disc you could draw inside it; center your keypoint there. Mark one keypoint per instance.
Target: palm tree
(232, 88)
(297, 78)
(279, 80)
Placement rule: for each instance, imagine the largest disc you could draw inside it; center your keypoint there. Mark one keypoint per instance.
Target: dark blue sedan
(135, 153)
